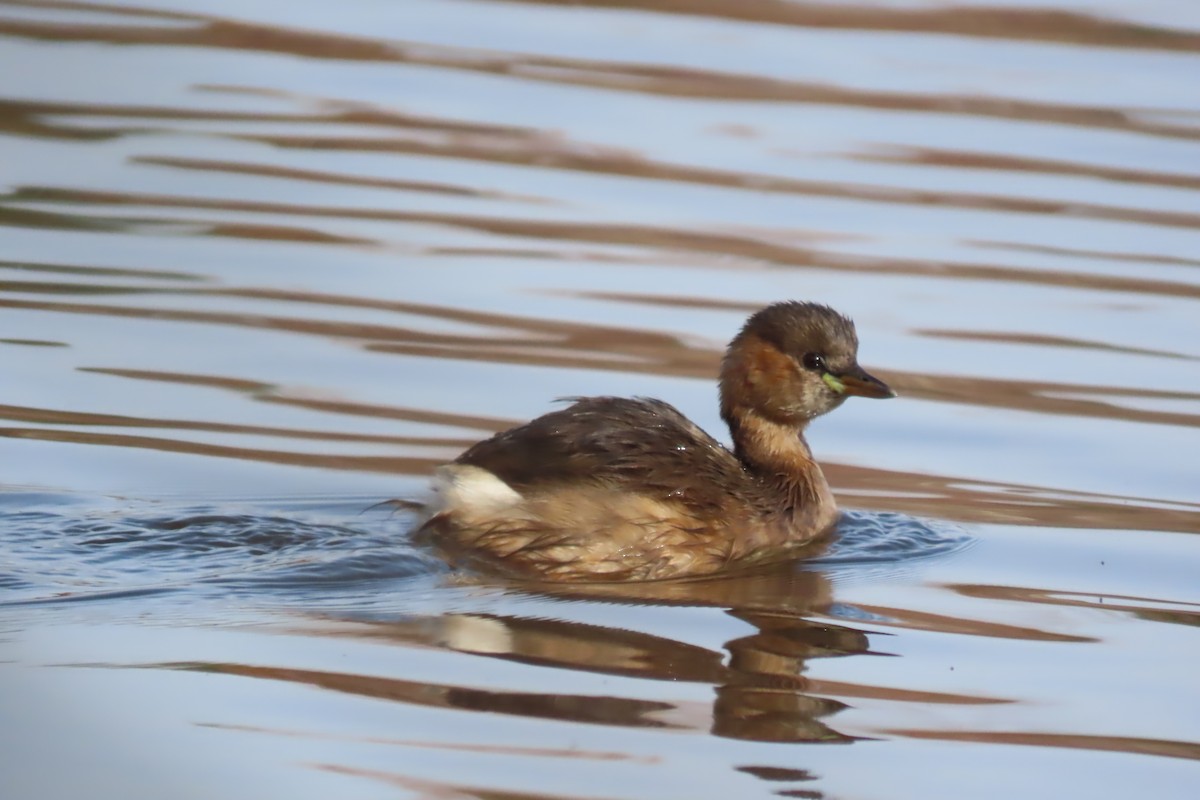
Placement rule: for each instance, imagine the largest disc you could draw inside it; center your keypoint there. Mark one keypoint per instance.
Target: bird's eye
(814, 361)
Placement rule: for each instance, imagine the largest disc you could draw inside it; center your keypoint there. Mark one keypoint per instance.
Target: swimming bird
(629, 489)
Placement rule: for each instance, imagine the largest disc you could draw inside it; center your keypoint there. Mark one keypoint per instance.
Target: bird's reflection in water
(761, 692)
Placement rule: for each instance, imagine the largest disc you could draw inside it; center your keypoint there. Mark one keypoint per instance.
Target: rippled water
(264, 266)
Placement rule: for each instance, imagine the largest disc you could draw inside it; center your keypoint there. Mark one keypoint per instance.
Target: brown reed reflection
(219, 33)
(404, 465)
(941, 623)
(334, 178)
(444, 790)
(966, 500)
(1153, 610)
(940, 157)
(532, 148)
(463, 747)
(1085, 253)
(512, 145)
(1041, 340)
(621, 711)
(607, 347)
(43, 416)
(269, 393)
(745, 246)
(988, 22)
(1166, 748)
(80, 270)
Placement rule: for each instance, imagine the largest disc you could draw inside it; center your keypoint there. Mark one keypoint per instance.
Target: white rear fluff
(461, 489)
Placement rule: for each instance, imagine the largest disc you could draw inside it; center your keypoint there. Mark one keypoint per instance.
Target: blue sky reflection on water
(264, 267)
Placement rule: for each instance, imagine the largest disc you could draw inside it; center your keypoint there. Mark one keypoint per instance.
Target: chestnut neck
(777, 454)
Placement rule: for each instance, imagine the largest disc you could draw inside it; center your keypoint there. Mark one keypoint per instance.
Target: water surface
(264, 266)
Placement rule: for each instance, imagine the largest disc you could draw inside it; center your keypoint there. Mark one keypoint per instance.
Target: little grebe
(616, 489)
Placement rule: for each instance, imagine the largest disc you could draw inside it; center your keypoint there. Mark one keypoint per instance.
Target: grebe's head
(792, 362)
